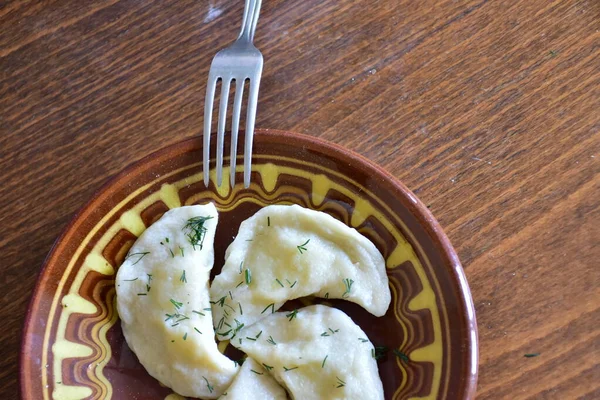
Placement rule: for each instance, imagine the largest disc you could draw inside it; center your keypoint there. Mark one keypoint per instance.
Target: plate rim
(415, 206)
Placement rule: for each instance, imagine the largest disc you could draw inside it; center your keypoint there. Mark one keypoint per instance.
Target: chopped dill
(199, 313)
(140, 256)
(267, 367)
(348, 284)
(240, 284)
(220, 302)
(196, 329)
(210, 388)
(271, 306)
(302, 248)
(142, 294)
(271, 341)
(241, 311)
(293, 284)
(130, 280)
(177, 304)
(257, 373)
(241, 265)
(181, 250)
(268, 221)
(183, 278)
(185, 336)
(325, 359)
(278, 281)
(340, 383)
(258, 334)
(363, 340)
(292, 315)
(195, 231)
(289, 369)
(378, 352)
(401, 355)
(248, 276)
(172, 254)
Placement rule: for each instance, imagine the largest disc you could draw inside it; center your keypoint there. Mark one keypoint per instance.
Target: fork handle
(251, 11)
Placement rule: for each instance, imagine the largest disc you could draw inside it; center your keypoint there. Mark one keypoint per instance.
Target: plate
(73, 346)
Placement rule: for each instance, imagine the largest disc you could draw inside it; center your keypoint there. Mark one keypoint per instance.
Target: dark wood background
(488, 110)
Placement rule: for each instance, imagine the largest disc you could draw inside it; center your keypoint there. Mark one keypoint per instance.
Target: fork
(239, 62)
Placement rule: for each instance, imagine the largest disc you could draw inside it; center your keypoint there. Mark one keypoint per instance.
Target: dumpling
(287, 252)
(163, 303)
(316, 353)
(254, 382)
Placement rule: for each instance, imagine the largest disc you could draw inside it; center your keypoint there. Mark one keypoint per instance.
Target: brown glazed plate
(73, 346)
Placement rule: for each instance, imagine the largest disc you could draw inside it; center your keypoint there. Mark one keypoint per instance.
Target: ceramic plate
(73, 346)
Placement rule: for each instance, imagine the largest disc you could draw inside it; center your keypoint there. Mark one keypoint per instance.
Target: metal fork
(239, 62)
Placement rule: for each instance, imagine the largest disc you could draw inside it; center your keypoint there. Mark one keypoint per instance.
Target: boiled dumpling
(316, 353)
(286, 252)
(163, 303)
(254, 382)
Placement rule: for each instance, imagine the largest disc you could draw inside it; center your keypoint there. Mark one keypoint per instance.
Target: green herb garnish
(401, 355)
(220, 302)
(271, 341)
(378, 352)
(278, 281)
(268, 221)
(241, 311)
(271, 306)
(257, 373)
(140, 256)
(325, 359)
(130, 280)
(177, 304)
(172, 254)
(181, 250)
(196, 329)
(302, 247)
(289, 369)
(182, 278)
(248, 276)
(196, 231)
(530, 355)
(199, 313)
(210, 388)
(185, 336)
(292, 315)
(348, 284)
(340, 383)
(363, 340)
(267, 367)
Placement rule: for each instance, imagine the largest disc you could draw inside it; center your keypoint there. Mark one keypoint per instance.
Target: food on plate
(316, 352)
(163, 303)
(254, 382)
(287, 252)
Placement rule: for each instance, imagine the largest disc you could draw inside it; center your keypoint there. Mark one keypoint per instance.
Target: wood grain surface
(488, 110)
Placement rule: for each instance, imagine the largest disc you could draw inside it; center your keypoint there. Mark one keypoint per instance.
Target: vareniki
(287, 252)
(163, 303)
(316, 352)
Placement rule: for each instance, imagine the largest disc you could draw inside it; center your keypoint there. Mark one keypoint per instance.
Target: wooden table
(488, 110)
